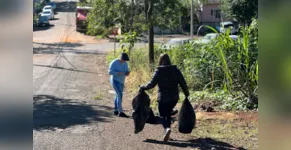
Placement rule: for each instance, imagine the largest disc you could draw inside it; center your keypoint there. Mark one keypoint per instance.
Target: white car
(47, 7)
(175, 42)
(211, 36)
(207, 38)
(226, 25)
(48, 13)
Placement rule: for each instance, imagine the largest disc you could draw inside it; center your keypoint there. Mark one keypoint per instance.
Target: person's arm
(182, 83)
(152, 83)
(127, 72)
(112, 70)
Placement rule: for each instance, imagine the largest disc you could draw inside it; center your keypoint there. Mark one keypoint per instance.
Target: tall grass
(239, 62)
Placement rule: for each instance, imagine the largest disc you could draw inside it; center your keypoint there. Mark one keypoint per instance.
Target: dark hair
(164, 60)
(124, 57)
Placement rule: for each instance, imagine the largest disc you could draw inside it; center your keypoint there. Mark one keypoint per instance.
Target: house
(210, 13)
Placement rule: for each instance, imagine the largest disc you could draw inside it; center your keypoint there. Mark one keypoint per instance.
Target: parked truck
(81, 18)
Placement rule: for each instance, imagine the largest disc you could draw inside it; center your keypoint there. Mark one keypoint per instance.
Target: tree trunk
(151, 34)
(151, 46)
(131, 15)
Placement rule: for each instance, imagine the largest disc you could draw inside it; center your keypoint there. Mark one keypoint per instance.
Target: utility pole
(191, 28)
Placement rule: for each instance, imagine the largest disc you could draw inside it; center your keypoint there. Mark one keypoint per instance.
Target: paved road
(69, 70)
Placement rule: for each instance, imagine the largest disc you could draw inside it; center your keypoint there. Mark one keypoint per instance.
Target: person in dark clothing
(167, 77)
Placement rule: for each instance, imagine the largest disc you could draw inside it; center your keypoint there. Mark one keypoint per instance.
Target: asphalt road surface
(73, 100)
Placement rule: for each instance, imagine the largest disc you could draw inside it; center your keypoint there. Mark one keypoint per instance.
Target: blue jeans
(118, 87)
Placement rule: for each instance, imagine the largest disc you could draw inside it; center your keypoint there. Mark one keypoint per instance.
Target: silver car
(212, 36)
(207, 38)
(175, 42)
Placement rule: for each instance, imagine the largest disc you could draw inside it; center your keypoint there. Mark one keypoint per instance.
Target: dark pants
(165, 109)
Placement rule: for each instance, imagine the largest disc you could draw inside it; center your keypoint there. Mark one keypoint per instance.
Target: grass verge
(238, 132)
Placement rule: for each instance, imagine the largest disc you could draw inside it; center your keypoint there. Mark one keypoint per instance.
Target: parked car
(212, 36)
(47, 7)
(48, 13)
(234, 37)
(225, 26)
(207, 38)
(175, 42)
(43, 21)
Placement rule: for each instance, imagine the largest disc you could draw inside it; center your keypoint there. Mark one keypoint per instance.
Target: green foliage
(82, 3)
(130, 39)
(242, 11)
(102, 17)
(107, 13)
(240, 103)
(37, 5)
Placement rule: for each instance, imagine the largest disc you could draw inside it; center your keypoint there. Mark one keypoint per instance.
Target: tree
(161, 13)
(242, 11)
(138, 16)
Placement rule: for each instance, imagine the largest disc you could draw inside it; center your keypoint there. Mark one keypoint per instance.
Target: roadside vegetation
(241, 132)
(224, 70)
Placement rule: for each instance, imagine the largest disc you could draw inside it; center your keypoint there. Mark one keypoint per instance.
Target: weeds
(232, 131)
(98, 96)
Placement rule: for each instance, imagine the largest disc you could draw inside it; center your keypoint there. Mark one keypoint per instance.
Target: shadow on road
(50, 112)
(36, 28)
(56, 18)
(63, 47)
(69, 69)
(61, 44)
(60, 50)
(202, 143)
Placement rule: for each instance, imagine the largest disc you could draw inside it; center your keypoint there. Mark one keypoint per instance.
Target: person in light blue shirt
(118, 70)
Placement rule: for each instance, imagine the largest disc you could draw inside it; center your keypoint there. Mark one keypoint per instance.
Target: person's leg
(119, 92)
(163, 114)
(115, 98)
(115, 103)
(166, 109)
(170, 107)
(119, 95)
(119, 89)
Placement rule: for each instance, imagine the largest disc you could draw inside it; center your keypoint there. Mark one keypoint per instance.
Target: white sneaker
(167, 135)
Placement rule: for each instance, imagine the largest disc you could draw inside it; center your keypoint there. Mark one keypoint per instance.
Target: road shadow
(62, 47)
(60, 50)
(36, 28)
(50, 112)
(201, 143)
(60, 44)
(55, 19)
(69, 69)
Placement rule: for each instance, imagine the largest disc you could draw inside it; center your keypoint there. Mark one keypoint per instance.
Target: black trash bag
(187, 118)
(152, 119)
(141, 107)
